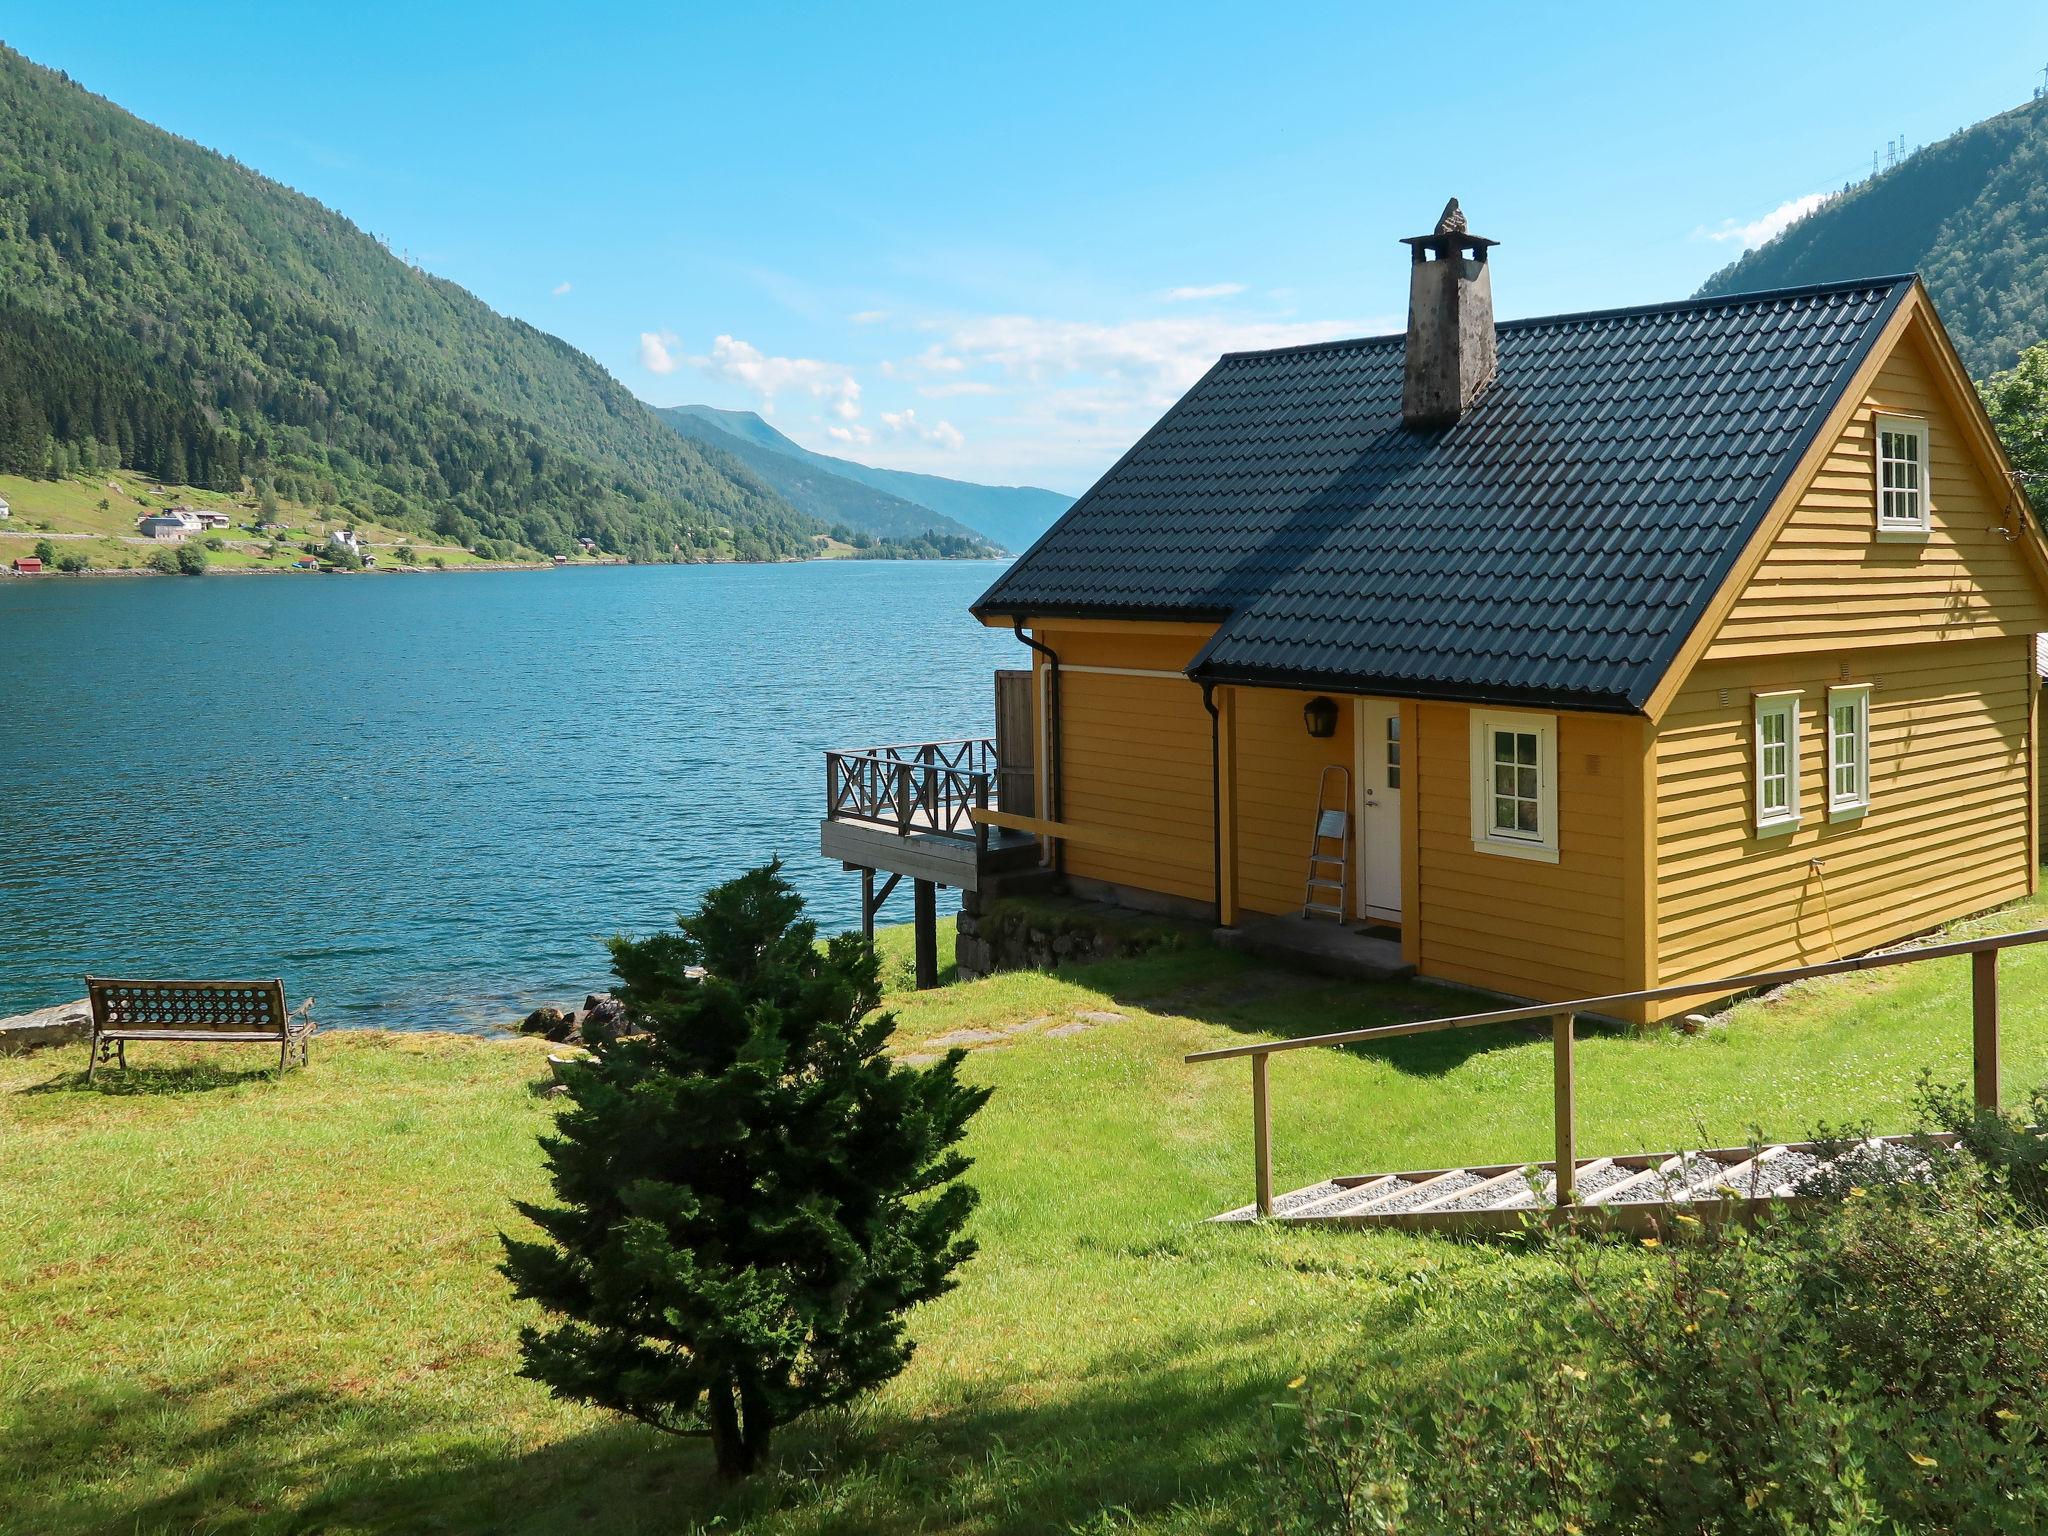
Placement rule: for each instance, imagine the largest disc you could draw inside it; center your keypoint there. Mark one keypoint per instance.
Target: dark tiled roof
(1554, 546)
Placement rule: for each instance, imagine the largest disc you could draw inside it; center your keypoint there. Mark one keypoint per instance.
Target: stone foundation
(1041, 933)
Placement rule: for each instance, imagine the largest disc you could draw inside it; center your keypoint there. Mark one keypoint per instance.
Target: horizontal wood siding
(1513, 925)
(1946, 833)
(1829, 582)
(1135, 755)
(1277, 767)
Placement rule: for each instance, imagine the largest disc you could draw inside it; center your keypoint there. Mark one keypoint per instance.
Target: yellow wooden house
(1640, 646)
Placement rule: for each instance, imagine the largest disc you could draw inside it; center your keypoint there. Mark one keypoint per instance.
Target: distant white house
(169, 526)
(212, 519)
(5, 510)
(343, 538)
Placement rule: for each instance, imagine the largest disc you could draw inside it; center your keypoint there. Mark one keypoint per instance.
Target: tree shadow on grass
(1143, 1432)
(1261, 1000)
(139, 1081)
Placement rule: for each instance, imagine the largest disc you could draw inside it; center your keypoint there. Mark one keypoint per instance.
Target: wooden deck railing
(1983, 955)
(926, 787)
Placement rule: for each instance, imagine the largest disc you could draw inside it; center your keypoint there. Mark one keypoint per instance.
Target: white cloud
(561, 288)
(943, 434)
(854, 434)
(953, 387)
(655, 356)
(1202, 291)
(1757, 231)
(1149, 362)
(869, 317)
(742, 363)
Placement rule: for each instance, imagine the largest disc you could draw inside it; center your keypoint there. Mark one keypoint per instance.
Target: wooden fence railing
(926, 786)
(1983, 955)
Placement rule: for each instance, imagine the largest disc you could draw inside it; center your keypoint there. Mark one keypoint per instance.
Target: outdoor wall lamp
(1320, 715)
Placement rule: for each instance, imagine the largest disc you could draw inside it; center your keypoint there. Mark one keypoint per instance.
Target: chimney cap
(1450, 235)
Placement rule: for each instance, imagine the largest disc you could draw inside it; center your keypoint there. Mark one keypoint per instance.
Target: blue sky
(997, 242)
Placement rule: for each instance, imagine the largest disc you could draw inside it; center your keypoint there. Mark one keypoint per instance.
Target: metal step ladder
(1329, 847)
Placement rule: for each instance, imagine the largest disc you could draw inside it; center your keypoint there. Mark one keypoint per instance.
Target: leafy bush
(163, 562)
(46, 551)
(1876, 1368)
(191, 560)
(752, 1194)
(74, 560)
(2012, 1150)
(216, 543)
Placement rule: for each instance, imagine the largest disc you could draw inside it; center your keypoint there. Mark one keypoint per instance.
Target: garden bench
(223, 1012)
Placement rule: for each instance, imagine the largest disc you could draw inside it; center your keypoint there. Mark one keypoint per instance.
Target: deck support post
(1262, 1138)
(924, 904)
(867, 906)
(1567, 1138)
(1984, 1019)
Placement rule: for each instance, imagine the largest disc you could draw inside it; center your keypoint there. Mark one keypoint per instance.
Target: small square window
(1902, 497)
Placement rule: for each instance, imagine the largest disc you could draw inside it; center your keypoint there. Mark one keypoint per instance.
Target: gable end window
(1514, 785)
(1902, 505)
(1777, 762)
(1848, 751)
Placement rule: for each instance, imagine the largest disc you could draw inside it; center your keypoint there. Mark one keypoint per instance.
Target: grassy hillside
(229, 1304)
(1970, 214)
(167, 310)
(831, 498)
(1013, 516)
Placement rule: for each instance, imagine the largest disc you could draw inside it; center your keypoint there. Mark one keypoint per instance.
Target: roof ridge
(1569, 317)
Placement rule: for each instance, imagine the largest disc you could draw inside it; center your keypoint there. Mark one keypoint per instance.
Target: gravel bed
(1791, 1168)
(1293, 1200)
(1594, 1181)
(1670, 1186)
(1419, 1194)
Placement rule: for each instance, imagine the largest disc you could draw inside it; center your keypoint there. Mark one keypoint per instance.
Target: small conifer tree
(751, 1194)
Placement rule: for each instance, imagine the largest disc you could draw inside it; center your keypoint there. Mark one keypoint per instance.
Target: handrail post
(901, 773)
(1984, 1020)
(980, 827)
(1567, 1142)
(1262, 1138)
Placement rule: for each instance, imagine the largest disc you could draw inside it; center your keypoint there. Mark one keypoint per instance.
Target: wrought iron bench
(222, 1012)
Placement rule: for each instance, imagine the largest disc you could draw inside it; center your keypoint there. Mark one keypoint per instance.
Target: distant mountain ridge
(166, 309)
(1969, 214)
(1011, 516)
(830, 497)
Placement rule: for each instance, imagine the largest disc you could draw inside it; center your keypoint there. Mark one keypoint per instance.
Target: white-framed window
(1514, 784)
(1848, 750)
(1777, 761)
(1902, 503)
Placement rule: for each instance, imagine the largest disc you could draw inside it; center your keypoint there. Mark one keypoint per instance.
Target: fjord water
(426, 799)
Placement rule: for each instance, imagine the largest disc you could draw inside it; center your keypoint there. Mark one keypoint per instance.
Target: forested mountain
(1011, 515)
(830, 497)
(1970, 214)
(170, 310)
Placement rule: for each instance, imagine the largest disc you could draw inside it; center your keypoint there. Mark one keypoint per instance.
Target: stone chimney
(1450, 323)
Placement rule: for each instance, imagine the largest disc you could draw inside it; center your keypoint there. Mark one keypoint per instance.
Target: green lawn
(229, 1304)
(68, 513)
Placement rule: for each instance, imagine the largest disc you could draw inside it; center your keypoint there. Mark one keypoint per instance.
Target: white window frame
(1847, 805)
(1543, 845)
(1921, 522)
(1783, 704)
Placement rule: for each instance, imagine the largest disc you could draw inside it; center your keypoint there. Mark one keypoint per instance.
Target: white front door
(1380, 771)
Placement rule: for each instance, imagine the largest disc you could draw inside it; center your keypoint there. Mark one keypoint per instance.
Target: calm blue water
(426, 799)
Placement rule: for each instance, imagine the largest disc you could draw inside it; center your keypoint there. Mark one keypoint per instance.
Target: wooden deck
(1636, 1191)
